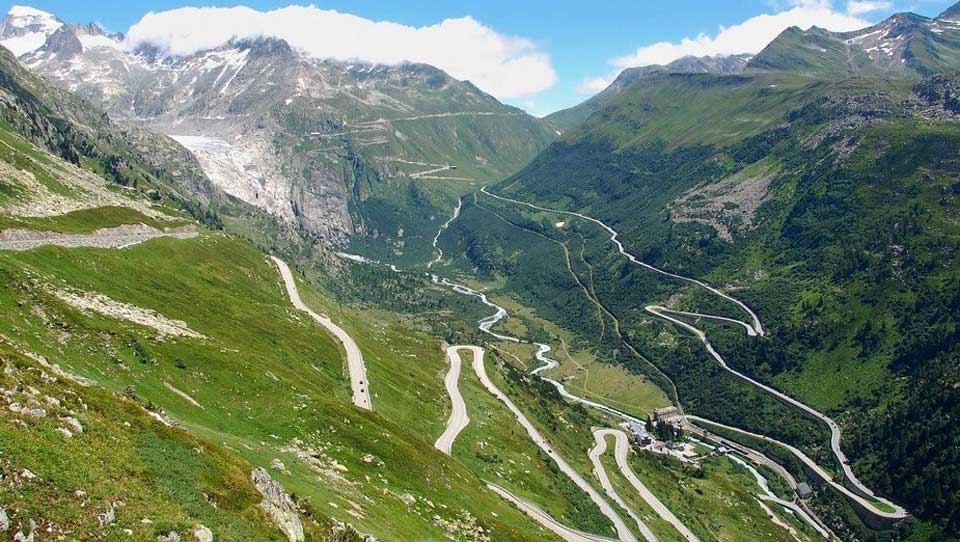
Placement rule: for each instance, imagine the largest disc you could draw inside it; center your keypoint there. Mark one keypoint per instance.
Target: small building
(803, 490)
(642, 439)
(639, 434)
(668, 414)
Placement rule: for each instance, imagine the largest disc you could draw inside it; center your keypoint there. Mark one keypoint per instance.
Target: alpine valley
(250, 293)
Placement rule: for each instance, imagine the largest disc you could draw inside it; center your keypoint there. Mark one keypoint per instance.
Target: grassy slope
(227, 291)
(88, 220)
(498, 449)
(716, 504)
(159, 479)
(686, 110)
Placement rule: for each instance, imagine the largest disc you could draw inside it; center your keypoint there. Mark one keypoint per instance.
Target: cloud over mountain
(505, 66)
(750, 36)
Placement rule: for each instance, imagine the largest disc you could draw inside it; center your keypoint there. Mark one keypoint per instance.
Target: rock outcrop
(278, 505)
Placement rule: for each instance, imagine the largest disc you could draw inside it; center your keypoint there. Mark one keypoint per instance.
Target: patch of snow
(33, 25)
(864, 36)
(91, 41)
(20, 45)
(27, 11)
(233, 60)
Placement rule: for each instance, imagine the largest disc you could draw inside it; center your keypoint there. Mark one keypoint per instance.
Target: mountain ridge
(903, 45)
(281, 130)
(566, 119)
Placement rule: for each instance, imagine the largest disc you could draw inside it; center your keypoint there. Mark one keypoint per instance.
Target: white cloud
(505, 66)
(855, 7)
(750, 36)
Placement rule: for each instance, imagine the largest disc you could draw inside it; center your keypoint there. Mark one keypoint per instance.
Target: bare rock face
(64, 43)
(940, 92)
(278, 505)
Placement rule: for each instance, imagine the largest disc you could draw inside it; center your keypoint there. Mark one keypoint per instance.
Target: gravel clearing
(116, 237)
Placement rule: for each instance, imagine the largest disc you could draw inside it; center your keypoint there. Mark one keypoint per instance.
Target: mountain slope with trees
(828, 203)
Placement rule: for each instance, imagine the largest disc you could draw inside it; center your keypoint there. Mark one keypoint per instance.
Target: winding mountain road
(621, 451)
(614, 238)
(757, 330)
(381, 121)
(445, 442)
(623, 533)
(566, 533)
(600, 436)
(749, 329)
(898, 513)
(357, 369)
(458, 415)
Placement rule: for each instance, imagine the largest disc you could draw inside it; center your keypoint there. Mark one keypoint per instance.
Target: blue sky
(578, 42)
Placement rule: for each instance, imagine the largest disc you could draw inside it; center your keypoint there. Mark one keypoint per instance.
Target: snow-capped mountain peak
(26, 29)
(30, 14)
